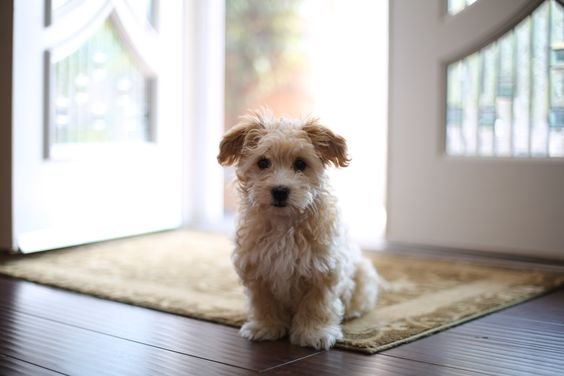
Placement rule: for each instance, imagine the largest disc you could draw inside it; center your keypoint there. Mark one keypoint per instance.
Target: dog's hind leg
(365, 293)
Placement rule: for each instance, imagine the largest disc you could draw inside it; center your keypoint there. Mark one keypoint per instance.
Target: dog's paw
(256, 331)
(320, 339)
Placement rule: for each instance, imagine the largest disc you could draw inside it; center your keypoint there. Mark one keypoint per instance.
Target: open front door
(97, 120)
(477, 125)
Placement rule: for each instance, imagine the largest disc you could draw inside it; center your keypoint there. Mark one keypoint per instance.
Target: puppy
(302, 275)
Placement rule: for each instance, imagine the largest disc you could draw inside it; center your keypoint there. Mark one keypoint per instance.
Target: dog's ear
(331, 148)
(241, 136)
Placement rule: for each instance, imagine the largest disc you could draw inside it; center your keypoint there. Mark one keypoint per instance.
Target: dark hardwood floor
(47, 331)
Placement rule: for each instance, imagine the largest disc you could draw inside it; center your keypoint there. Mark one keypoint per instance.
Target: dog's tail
(383, 285)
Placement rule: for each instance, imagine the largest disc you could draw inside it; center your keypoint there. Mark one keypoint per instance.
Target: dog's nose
(280, 193)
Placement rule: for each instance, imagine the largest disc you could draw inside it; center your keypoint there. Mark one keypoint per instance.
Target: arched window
(507, 99)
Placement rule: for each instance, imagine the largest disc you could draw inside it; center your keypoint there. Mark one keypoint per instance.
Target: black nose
(280, 193)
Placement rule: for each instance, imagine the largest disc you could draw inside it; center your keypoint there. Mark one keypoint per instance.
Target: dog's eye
(263, 163)
(299, 165)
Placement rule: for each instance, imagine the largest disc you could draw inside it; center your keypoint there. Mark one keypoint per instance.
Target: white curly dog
(301, 273)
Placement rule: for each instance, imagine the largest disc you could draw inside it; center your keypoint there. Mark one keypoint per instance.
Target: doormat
(190, 273)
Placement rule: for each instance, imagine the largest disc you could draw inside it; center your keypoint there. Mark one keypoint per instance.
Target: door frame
(6, 209)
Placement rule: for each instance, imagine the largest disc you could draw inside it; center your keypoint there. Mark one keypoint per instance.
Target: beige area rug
(190, 274)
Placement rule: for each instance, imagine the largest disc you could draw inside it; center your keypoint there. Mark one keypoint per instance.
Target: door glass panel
(507, 100)
(99, 94)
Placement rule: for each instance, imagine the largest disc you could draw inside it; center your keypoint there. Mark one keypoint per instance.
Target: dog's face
(280, 163)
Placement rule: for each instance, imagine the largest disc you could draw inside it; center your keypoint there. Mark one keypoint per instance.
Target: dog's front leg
(317, 320)
(268, 320)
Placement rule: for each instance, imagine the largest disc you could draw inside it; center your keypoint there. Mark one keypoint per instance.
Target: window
(321, 58)
(507, 99)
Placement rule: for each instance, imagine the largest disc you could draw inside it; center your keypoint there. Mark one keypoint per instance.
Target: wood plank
(485, 355)
(74, 351)
(515, 331)
(548, 308)
(172, 332)
(336, 362)
(15, 367)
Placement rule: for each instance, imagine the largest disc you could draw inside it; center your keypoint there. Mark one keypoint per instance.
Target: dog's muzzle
(280, 196)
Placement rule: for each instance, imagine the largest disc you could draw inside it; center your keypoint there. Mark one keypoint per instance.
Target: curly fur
(302, 275)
